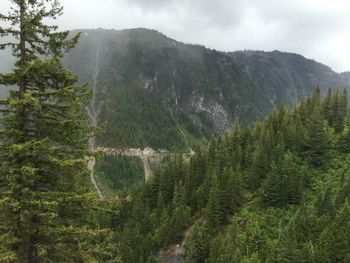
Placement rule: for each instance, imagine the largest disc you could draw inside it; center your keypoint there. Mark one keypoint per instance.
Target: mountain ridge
(150, 87)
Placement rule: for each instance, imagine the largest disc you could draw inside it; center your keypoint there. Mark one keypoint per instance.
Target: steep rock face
(215, 111)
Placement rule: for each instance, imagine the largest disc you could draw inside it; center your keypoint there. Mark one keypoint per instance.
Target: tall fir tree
(215, 208)
(344, 140)
(282, 186)
(260, 167)
(44, 205)
(335, 239)
(327, 106)
(196, 245)
(316, 143)
(324, 203)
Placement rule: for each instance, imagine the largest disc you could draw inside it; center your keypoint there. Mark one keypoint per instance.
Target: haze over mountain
(155, 91)
(152, 89)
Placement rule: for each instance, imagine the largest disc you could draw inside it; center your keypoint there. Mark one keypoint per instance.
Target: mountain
(284, 75)
(155, 91)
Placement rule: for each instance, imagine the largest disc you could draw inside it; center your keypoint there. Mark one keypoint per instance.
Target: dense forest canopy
(276, 191)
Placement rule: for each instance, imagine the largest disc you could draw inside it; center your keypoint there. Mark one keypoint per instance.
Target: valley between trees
(148, 157)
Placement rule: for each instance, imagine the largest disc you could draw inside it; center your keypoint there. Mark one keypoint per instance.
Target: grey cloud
(317, 29)
(218, 12)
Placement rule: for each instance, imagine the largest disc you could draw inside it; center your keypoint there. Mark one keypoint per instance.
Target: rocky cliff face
(216, 112)
(154, 91)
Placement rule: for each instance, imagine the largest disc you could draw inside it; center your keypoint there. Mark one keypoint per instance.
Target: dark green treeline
(273, 192)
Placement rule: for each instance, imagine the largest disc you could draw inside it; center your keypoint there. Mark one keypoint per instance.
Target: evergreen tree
(342, 195)
(344, 103)
(335, 239)
(215, 207)
(165, 230)
(302, 224)
(338, 118)
(197, 169)
(296, 134)
(212, 148)
(180, 219)
(315, 101)
(308, 253)
(231, 246)
(259, 169)
(235, 145)
(216, 249)
(187, 190)
(44, 206)
(340, 110)
(233, 191)
(282, 186)
(328, 108)
(317, 144)
(302, 110)
(196, 245)
(325, 204)
(344, 141)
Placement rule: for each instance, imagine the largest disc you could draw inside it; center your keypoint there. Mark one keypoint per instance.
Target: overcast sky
(318, 29)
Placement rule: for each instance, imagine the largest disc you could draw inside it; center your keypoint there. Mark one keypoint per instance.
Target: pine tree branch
(8, 31)
(7, 18)
(9, 44)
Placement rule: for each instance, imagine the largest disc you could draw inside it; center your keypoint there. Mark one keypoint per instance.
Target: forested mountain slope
(282, 75)
(151, 88)
(155, 91)
(277, 191)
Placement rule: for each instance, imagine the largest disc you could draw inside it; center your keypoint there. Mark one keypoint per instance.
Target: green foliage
(215, 206)
(317, 144)
(283, 184)
(334, 240)
(196, 245)
(119, 172)
(136, 117)
(46, 212)
(273, 192)
(141, 76)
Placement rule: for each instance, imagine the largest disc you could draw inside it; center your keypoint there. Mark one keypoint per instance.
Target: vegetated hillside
(153, 90)
(277, 191)
(283, 75)
(116, 173)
